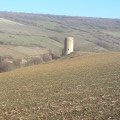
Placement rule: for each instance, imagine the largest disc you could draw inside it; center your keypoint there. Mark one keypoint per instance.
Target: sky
(86, 8)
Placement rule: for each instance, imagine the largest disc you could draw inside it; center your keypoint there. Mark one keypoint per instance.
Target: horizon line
(36, 13)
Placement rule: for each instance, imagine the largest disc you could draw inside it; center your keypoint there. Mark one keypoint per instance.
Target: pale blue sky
(88, 8)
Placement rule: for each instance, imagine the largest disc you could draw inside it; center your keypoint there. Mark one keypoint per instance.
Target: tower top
(69, 38)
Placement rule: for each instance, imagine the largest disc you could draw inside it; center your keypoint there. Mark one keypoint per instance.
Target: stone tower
(68, 45)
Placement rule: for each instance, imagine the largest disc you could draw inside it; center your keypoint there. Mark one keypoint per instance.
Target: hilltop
(24, 34)
(84, 87)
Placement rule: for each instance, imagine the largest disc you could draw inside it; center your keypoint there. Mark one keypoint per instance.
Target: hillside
(24, 34)
(85, 87)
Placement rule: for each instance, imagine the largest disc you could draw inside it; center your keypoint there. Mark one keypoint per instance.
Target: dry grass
(27, 50)
(5, 50)
(2, 20)
(86, 87)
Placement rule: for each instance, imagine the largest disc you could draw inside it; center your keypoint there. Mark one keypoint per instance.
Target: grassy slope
(49, 31)
(27, 35)
(4, 50)
(86, 87)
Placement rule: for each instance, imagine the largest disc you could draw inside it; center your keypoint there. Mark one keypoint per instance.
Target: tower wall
(68, 45)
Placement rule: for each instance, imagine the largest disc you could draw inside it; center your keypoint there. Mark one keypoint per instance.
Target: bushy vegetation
(85, 87)
(24, 62)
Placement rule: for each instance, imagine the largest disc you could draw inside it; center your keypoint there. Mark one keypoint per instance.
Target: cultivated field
(85, 87)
